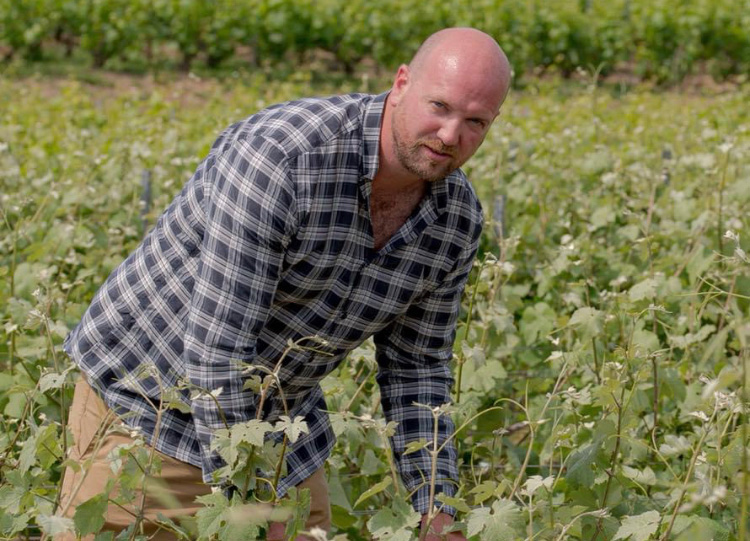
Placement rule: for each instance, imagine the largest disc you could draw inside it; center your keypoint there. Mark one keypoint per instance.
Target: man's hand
(442, 520)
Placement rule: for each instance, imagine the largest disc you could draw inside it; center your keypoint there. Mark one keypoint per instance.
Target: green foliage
(602, 349)
(24, 26)
(110, 27)
(503, 522)
(663, 40)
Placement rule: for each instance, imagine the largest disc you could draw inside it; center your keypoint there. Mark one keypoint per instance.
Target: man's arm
(414, 355)
(249, 208)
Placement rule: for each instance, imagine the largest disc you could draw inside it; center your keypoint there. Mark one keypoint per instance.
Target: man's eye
(438, 105)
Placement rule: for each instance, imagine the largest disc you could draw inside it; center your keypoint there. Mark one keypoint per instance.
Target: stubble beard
(412, 158)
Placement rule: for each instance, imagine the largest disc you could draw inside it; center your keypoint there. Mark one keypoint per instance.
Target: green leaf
(587, 320)
(580, 464)
(537, 322)
(11, 524)
(603, 216)
(172, 525)
(675, 445)
(342, 518)
(11, 498)
(6, 381)
(643, 290)
(53, 380)
(689, 339)
(395, 521)
(645, 476)
(646, 341)
(414, 446)
(504, 522)
(27, 457)
(253, 383)
(16, 405)
(699, 263)
(299, 502)
(484, 377)
(375, 489)
(484, 491)
(458, 503)
(371, 465)
(251, 432)
(534, 482)
(638, 527)
(477, 521)
(292, 429)
(695, 528)
(90, 515)
(54, 525)
(211, 518)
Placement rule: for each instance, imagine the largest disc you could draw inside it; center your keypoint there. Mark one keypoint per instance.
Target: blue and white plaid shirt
(271, 241)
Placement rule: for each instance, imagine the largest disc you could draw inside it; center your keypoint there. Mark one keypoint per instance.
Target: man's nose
(449, 133)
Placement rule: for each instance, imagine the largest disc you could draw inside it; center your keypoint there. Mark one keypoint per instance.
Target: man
(343, 218)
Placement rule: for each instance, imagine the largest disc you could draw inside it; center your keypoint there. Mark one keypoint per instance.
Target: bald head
(469, 53)
(441, 106)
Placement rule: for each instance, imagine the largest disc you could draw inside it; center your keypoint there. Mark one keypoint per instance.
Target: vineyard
(662, 40)
(602, 363)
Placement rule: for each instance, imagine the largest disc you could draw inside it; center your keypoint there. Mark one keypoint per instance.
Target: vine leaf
(501, 523)
(252, 432)
(580, 462)
(638, 527)
(395, 522)
(378, 487)
(292, 429)
(54, 525)
(89, 516)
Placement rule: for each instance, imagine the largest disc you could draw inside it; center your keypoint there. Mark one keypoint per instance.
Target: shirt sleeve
(414, 355)
(249, 209)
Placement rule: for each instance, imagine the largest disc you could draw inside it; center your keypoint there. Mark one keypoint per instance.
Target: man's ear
(400, 84)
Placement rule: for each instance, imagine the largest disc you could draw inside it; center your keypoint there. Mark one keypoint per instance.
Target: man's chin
(436, 173)
(426, 169)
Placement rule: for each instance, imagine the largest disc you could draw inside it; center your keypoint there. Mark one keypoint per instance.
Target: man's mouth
(438, 154)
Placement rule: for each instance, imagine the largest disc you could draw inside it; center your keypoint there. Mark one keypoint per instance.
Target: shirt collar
(371, 121)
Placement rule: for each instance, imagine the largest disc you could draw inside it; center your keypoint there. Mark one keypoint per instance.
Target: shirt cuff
(421, 499)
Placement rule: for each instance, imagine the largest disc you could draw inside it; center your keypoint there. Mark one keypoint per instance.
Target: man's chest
(389, 212)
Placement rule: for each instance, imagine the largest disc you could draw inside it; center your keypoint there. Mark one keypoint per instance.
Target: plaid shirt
(271, 241)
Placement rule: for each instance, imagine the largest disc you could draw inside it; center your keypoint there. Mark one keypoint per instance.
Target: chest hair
(389, 211)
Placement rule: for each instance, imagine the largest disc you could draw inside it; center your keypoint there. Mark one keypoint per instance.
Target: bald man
(341, 218)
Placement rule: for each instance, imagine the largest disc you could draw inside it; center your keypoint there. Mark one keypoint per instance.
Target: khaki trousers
(172, 493)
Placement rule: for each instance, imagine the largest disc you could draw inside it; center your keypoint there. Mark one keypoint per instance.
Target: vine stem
(689, 473)
(467, 326)
(152, 453)
(12, 289)
(720, 225)
(612, 459)
(560, 379)
(596, 361)
(433, 473)
(437, 449)
(745, 477)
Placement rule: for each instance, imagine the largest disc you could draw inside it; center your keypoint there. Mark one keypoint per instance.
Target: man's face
(439, 121)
